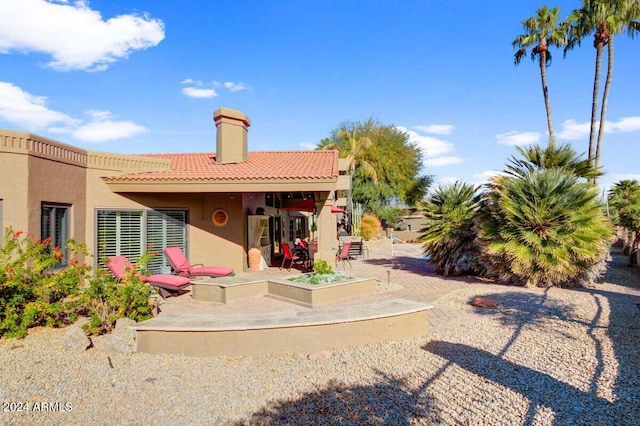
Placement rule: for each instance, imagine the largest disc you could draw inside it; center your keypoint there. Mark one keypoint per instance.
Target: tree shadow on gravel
(388, 402)
(571, 405)
(523, 309)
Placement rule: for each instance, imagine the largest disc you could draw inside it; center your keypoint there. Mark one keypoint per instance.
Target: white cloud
(24, 109)
(443, 161)
(437, 129)
(195, 92)
(308, 145)
(190, 81)
(234, 87)
(20, 107)
(76, 37)
(102, 128)
(572, 130)
(518, 138)
(431, 147)
(446, 180)
(626, 124)
(486, 176)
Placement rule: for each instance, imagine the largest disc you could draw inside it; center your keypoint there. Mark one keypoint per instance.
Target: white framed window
(131, 232)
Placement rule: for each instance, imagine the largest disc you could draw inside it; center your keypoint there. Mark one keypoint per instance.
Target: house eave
(172, 186)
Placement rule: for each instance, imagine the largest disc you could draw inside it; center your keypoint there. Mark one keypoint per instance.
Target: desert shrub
(370, 227)
(32, 291)
(322, 267)
(106, 299)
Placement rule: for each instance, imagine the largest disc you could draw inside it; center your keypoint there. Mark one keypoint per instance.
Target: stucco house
(215, 205)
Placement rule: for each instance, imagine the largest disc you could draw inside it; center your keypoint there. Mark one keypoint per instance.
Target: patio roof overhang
(191, 186)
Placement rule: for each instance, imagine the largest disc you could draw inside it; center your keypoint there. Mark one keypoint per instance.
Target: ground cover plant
(322, 274)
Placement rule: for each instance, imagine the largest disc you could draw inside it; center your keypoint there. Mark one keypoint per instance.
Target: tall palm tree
(541, 31)
(604, 18)
(351, 141)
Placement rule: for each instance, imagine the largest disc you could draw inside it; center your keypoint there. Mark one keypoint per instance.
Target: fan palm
(449, 237)
(552, 157)
(543, 229)
(604, 18)
(541, 31)
(352, 146)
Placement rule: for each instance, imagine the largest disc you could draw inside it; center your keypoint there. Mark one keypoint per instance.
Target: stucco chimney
(231, 136)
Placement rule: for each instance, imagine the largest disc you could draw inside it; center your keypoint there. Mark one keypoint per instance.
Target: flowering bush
(106, 300)
(32, 293)
(370, 227)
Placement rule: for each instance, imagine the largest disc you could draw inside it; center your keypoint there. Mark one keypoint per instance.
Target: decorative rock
(123, 329)
(116, 343)
(483, 302)
(75, 339)
(322, 354)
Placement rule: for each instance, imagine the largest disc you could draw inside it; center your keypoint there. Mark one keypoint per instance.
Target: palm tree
(541, 31)
(544, 228)
(353, 145)
(449, 238)
(552, 157)
(604, 18)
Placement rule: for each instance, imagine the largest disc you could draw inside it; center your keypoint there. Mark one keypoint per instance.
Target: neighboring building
(121, 204)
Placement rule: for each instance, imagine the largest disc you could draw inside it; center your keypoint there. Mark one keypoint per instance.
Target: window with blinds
(164, 229)
(54, 224)
(130, 232)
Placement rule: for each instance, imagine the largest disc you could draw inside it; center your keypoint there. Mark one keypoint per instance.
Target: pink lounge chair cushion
(181, 264)
(167, 280)
(119, 264)
(212, 270)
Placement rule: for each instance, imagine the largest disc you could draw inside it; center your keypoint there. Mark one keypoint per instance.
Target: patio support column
(327, 236)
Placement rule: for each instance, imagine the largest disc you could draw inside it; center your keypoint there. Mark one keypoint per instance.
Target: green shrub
(370, 227)
(106, 300)
(32, 292)
(449, 237)
(322, 267)
(544, 229)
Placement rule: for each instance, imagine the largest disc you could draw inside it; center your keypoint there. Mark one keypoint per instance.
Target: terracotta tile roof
(261, 165)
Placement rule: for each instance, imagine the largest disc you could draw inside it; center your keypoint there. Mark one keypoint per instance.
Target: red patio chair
(343, 254)
(287, 255)
(167, 285)
(181, 266)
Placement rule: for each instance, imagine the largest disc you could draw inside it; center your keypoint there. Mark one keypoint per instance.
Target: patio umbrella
(335, 209)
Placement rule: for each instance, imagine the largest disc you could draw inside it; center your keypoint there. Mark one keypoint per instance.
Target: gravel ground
(555, 357)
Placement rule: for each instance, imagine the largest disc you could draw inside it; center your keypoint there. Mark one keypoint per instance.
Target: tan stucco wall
(57, 183)
(13, 191)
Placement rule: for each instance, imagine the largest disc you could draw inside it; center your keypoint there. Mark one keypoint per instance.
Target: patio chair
(343, 254)
(181, 266)
(291, 257)
(167, 285)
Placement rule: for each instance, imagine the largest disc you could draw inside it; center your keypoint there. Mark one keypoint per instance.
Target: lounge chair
(167, 285)
(181, 266)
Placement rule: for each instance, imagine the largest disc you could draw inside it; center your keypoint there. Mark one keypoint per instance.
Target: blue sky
(142, 76)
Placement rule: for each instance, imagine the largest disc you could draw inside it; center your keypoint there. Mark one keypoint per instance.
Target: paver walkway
(398, 276)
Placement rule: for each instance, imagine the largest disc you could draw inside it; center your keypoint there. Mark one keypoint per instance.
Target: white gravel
(556, 357)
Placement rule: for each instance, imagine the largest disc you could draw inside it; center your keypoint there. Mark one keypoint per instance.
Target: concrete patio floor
(398, 277)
